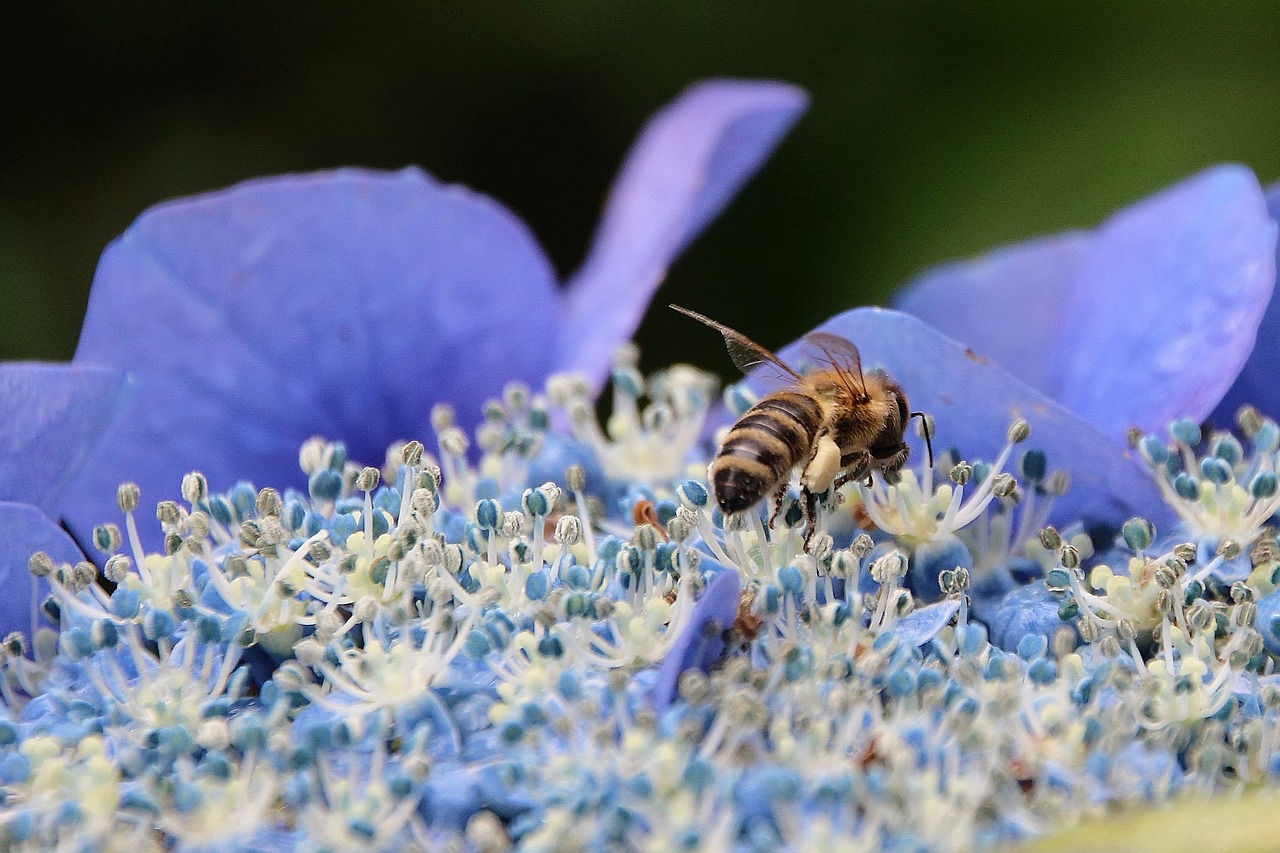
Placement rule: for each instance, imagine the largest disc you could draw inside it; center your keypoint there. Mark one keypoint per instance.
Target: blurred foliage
(936, 130)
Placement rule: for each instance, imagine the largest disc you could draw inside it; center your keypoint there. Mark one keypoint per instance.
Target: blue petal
(1168, 303)
(1146, 318)
(718, 606)
(24, 529)
(688, 163)
(1008, 303)
(1256, 385)
(920, 626)
(342, 303)
(973, 400)
(54, 415)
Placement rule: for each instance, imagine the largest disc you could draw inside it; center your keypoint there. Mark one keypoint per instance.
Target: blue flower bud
(790, 579)
(489, 515)
(569, 685)
(1153, 450)
(78, 642)
(692, 493)
(1043, 671)
(697, 775)
(1138, 533)
(324, 485)
(104, 634)
(186, 797)
(577, 577)
(477, 644)
(138, 801)
(535, 503)
(1033, 465)
(537, 585)
(1185, 431)
(215, 766)
(1216, 470)
(15, 769)
(1227, 448)
(1186, 486)
(208, 628)
(1263, 485)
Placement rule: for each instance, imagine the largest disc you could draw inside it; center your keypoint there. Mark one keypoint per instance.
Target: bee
(836, 422)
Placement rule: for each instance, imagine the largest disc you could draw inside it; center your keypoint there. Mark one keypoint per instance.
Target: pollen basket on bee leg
(821, 471)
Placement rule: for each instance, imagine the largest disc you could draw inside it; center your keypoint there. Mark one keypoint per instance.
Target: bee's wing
(746, 354)
(840, 355)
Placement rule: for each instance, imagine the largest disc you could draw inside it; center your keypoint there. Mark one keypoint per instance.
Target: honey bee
(837, 422)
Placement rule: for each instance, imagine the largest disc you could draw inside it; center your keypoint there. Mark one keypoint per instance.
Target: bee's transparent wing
(832, 352)
(746, 354)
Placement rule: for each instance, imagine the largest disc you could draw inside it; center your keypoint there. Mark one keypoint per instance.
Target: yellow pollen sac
(823, 467)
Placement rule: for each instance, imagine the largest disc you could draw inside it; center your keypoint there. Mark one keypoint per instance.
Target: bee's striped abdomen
(758, 454)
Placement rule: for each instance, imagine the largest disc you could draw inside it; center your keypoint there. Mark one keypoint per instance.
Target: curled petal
(688, 163)
(1168, 303)
(54, 415)
(24, 529)
(973, 400)
(1256, 385)
(714, 613)
(343, 304)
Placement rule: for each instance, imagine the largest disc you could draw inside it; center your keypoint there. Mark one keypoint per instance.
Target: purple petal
(973, 400)
(343, 304)
(1168, 303)
(1008, 302)
(688, 163)
(717, 607)
(54, 415)
(1256, 385)
(24, 529)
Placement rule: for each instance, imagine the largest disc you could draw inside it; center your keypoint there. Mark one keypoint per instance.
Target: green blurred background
(936, 130)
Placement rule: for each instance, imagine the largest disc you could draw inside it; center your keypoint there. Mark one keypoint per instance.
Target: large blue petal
(54, 415)
(689, 161)
(1167, 305)
(1147, 318)
(339, 303)
(1008, 302)
(973, 400)
(1256, 385)
(24, 529)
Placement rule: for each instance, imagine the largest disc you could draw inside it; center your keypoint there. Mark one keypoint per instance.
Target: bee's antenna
(924, 430)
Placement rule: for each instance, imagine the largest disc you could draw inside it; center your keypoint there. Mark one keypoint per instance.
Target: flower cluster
(441, 652)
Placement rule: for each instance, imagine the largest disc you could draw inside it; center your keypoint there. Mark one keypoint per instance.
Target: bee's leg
(777, 503)
(855, 465)
(810, 514)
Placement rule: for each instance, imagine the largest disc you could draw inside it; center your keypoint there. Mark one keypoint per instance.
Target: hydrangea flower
(348, 303)
(54, 414)
(438, 654)
(484, 674)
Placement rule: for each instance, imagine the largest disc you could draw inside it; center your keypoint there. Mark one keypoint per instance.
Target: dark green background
(936, 129)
